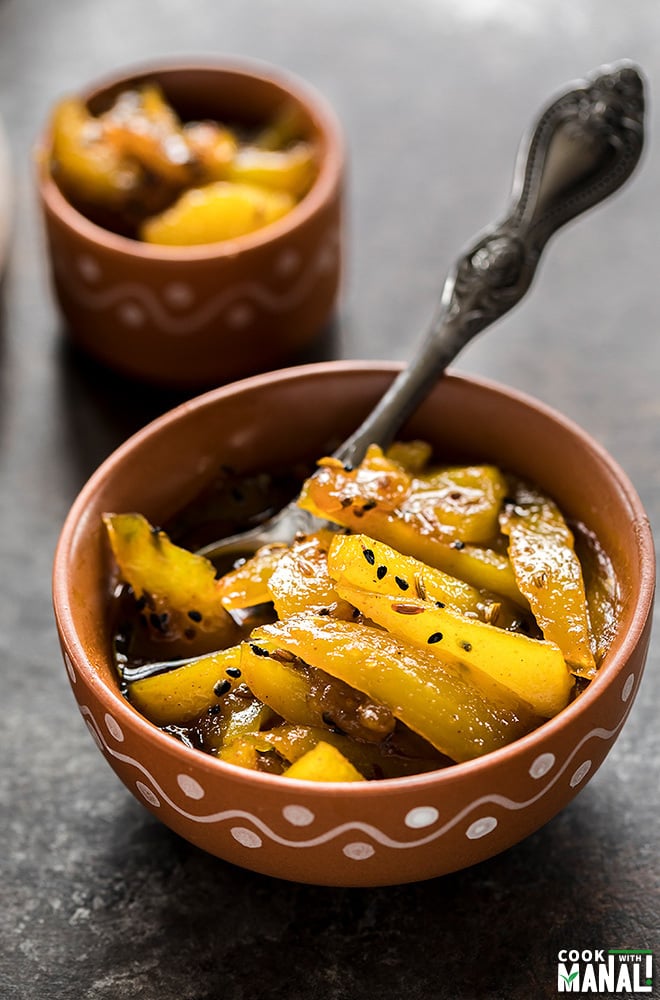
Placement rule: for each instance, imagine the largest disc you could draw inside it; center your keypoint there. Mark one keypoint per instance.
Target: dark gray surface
(98, 900)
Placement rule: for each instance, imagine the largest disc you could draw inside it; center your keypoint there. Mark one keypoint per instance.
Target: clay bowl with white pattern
(205, 314)
(374, 832)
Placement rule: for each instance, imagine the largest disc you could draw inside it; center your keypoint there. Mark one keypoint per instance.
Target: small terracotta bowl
(202, 315)
(383, 832)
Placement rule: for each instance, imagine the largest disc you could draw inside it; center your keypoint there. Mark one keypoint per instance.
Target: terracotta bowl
(203, 315)
(395, 830)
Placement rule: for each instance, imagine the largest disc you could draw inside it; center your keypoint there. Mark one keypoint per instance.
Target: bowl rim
(326, 183)
(113, 700)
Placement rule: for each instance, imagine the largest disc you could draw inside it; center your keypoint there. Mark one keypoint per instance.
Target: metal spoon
(580, 149)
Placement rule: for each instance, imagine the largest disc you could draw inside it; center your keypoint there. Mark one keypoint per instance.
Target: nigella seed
(381, 571)
(369, 556)
(458, 544)
(439, 604)
(401, 583)
(369, 505)
(141, 603)
(435, 637)
(159, 622)
(221, 687)
(467, 646)
(358, 512)
(346, 501)
(195, 616)
(233, 672)
(258, 650)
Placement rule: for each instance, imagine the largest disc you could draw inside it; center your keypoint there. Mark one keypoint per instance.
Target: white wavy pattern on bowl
(175, 311)
(422, 816)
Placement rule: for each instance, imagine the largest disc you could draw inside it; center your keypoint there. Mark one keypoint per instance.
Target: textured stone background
(99, 901)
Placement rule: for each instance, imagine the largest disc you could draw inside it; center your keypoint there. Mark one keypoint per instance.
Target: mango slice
(307, 695)
(323, 763)
(464, 498)
(213, 146)
(142, 126)
(220, 211)
(176, 589)
(372, 500)
(391, 759)
(533, 669)
(84, 163)
(363, 562)
(247, 585)
(178, 696)
(300, 581)
(548, 573)
(439, 701)
(291, 170)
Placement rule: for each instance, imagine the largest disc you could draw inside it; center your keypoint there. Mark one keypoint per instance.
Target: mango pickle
(323, 763)
(548, 572)
(445, 703)
(138, 169)
(446, 611)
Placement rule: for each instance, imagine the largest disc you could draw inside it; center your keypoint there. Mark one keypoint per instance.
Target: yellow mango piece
(241, 752)
(465, 498)
(372, 500)
(280, 682)
(323, 763)
(533, 669)
(239, 719)
(549, 574)
(178, 696)
(247, 585)
(439, 701)
(303, 694)
(291, 170)
(412, 455)
(359, 561)
(385, 760)
(213, 146)
(220, 211)
(143, 126)
(176, 588)
(300, 581)
(84, 162)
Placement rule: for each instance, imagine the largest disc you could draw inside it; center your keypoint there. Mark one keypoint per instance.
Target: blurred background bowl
(203, 315)
(382, 832)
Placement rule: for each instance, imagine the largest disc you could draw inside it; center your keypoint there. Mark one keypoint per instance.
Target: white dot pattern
(421, 816)
(359, 851)
(581, 773)
(298, 815)
(628, 687)
(190, 787)
(114, 728)
(481, 828)
(245, 837)
(147, 794)
(544, 763)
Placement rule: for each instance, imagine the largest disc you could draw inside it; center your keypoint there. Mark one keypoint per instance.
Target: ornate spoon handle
(582, 147)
